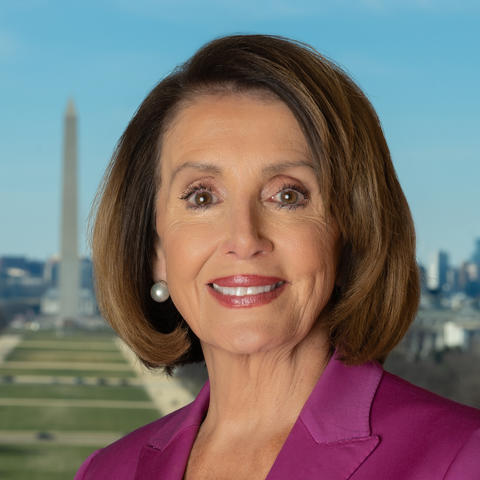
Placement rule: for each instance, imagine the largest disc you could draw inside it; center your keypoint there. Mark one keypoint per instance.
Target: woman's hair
(378, 286)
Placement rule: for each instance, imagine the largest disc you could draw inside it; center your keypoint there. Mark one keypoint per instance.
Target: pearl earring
(159, 291)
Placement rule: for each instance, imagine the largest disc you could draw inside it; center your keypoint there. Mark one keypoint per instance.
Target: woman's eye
(199, 197)
(291, 197)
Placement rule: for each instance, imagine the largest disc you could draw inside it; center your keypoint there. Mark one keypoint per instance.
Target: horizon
(416, 61)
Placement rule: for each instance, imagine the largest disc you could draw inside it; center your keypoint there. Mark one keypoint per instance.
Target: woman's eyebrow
(279, 167)
(204, 167)
(215, 170)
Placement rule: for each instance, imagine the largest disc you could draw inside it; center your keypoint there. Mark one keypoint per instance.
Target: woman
(255, 191)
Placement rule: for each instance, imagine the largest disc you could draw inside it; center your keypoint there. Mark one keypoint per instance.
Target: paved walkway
(107, 346)
(93, 439)
(102, 366)
(70, 380)
(53, 402)
(167, 393)
(7, 344)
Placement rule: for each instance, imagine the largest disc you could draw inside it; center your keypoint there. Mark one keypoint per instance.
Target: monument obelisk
(69, 263)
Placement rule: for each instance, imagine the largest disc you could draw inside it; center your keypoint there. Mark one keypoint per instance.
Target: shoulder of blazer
(421, 432)
(466, 463)
(409, 399)
(119, 460)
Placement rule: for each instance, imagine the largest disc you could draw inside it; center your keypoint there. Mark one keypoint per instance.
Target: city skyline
(473, 257)
(415, 60)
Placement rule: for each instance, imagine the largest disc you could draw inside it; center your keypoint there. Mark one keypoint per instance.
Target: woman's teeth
(241, 291)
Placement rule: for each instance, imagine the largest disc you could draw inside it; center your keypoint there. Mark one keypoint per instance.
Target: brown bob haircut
(378, 292)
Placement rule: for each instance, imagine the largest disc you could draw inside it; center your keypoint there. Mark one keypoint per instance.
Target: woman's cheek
(188, 246)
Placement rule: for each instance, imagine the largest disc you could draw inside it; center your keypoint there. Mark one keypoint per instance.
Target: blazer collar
(339, 406)
(188, 417)
(332, 432)
(332, 436)
(165, 456)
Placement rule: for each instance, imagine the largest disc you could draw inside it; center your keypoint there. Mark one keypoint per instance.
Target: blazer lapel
(301, 457)
(166, 454)
(167, 464)
(332, 436)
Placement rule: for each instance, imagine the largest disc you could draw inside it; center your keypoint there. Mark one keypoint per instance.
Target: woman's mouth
(244, 297)
(242, 291)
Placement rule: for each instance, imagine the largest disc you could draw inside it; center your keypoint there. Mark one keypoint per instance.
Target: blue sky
(417, 60)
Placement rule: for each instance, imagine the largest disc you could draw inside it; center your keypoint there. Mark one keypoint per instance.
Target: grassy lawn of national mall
(62, 397)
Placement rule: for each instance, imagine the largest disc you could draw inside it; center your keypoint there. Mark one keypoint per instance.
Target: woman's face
(239, 202)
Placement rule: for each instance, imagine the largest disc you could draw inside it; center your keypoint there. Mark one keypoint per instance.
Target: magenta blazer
(359, 423)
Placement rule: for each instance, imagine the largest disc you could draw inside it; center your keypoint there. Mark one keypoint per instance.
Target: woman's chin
(249, 343)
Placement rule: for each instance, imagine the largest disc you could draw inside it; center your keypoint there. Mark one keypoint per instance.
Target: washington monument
(69, 263)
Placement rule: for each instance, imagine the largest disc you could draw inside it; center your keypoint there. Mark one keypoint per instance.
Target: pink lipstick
(243, 291)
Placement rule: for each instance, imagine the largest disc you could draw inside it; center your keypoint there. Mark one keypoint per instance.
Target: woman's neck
(262, 393)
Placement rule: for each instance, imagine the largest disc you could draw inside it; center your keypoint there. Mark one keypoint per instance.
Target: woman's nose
(245, 233)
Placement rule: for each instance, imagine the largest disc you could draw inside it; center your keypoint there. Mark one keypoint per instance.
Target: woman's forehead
(238, 124)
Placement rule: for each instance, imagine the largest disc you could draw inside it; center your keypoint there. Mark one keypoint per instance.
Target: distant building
(52, 268)
(31, 286)
(476, 252)
(32, 268)
(21, 278)
(454, 336)
(452, 279)
(423, 276)
(50, 303)
(437, 272)
(86, 273)
(51, 271)
(21, 286)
